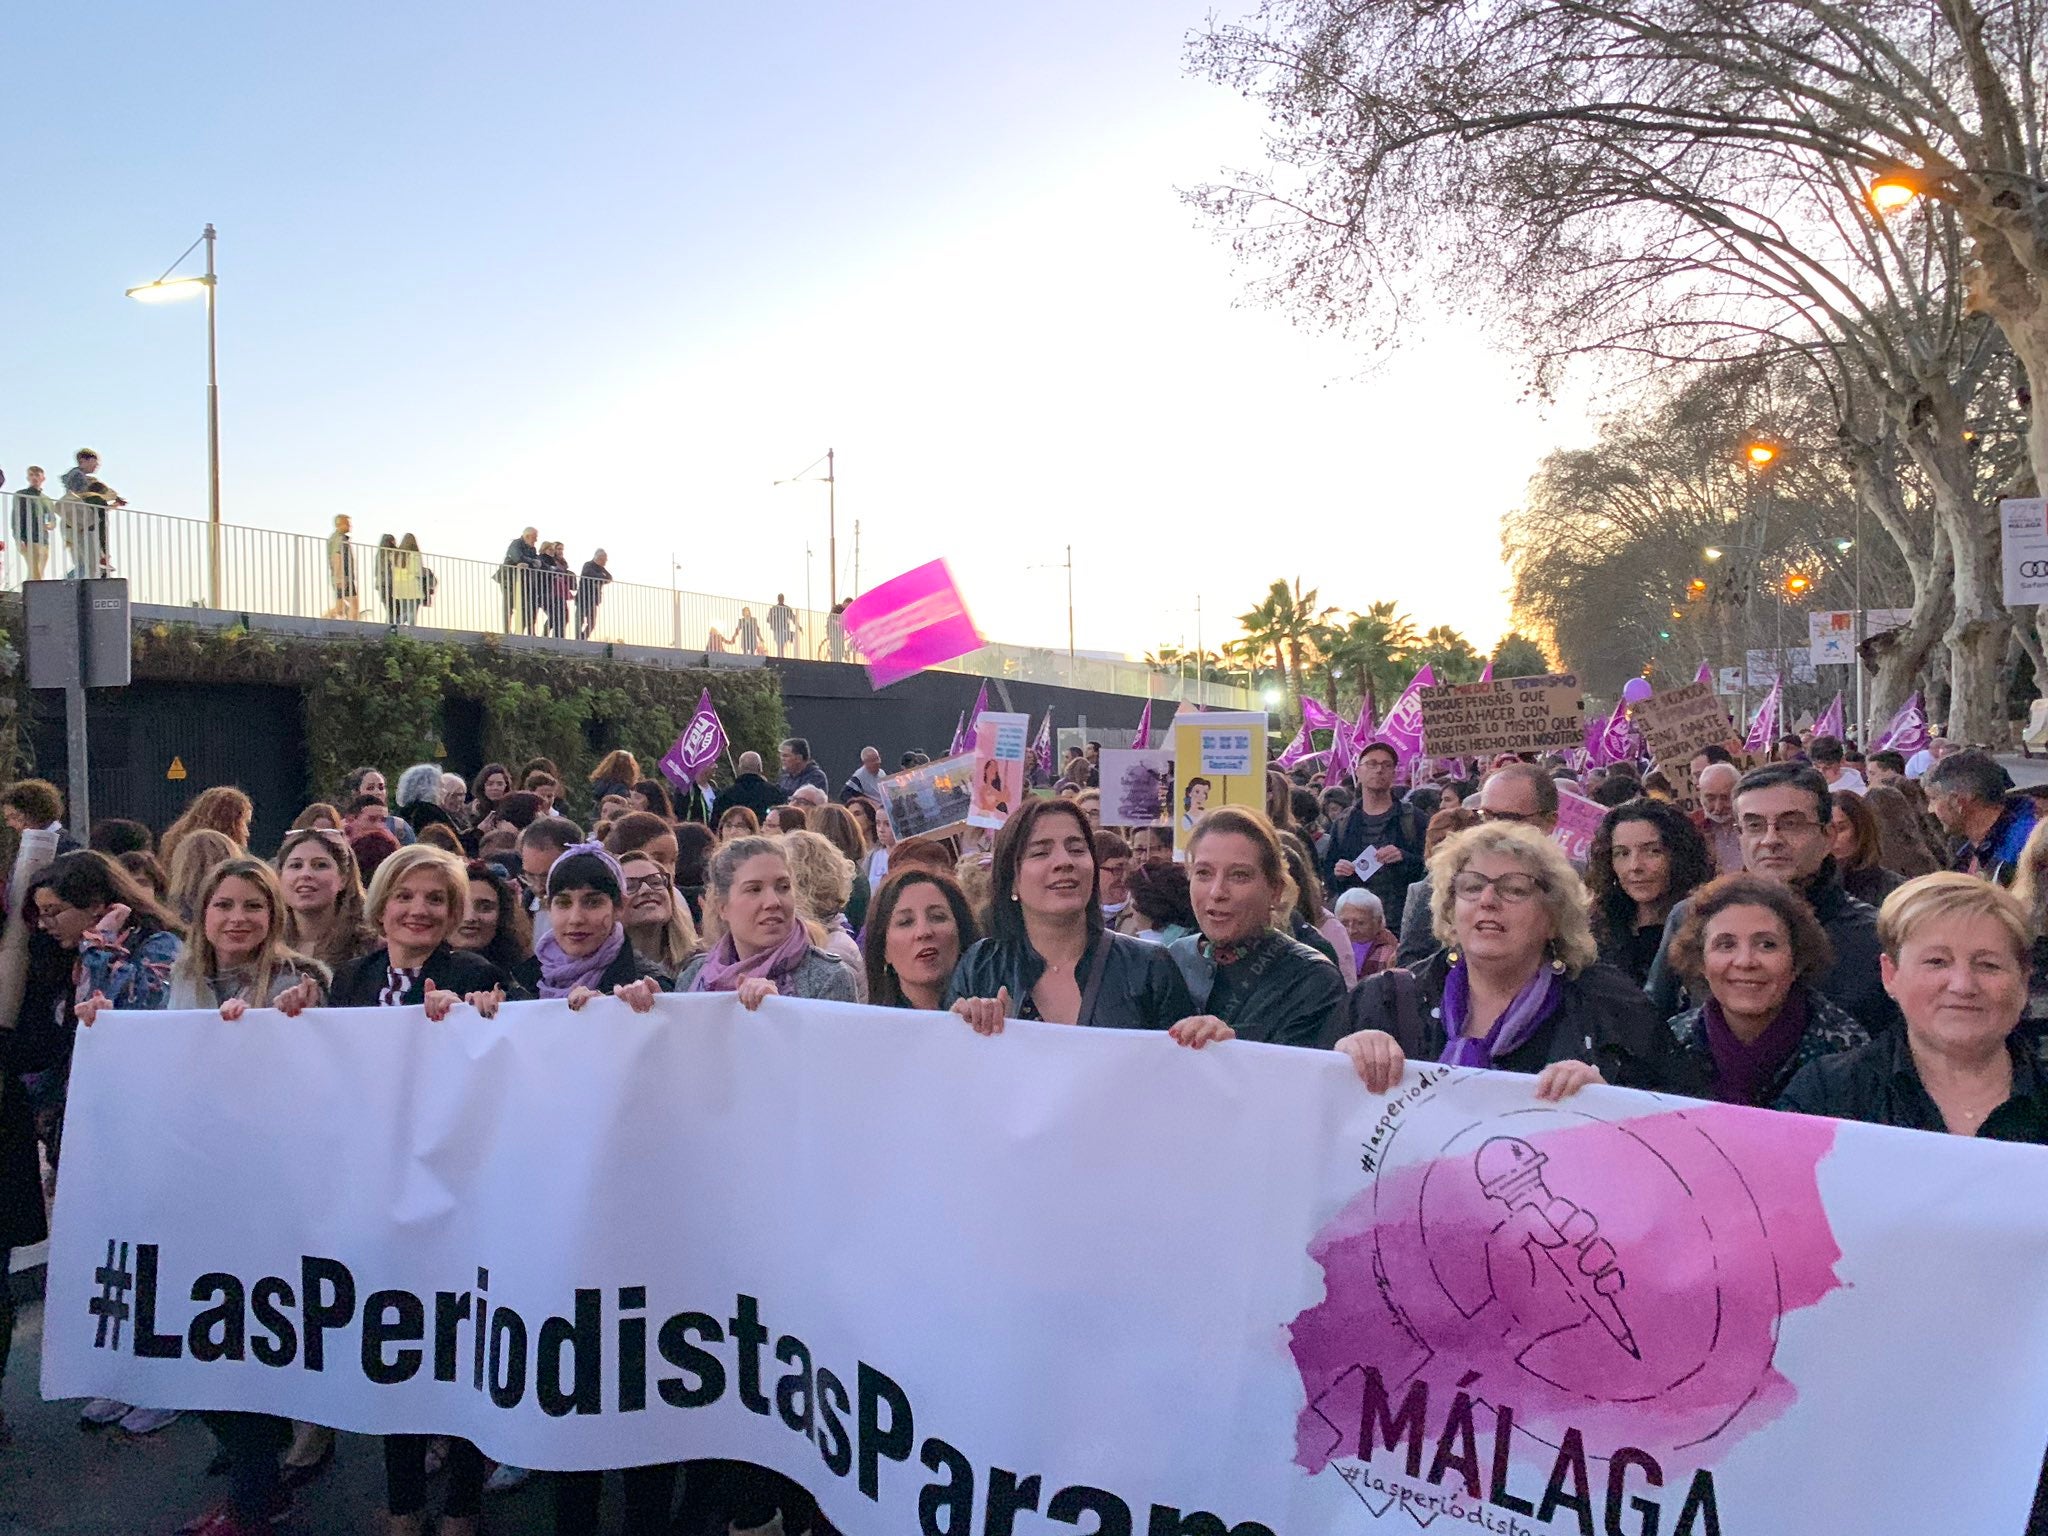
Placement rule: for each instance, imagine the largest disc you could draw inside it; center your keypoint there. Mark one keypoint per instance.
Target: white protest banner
(1000, 742)
(1055, 1278)
(1511, 714)
(2025, 523)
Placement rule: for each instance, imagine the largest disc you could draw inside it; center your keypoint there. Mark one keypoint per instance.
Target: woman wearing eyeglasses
(1518, 986)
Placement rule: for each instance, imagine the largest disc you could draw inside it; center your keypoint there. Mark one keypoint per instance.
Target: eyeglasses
(635, 884)
(1512, 818)
(1793, 825)
(1470, 885)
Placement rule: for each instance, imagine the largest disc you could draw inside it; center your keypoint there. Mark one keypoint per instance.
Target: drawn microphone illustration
(1511, 1171)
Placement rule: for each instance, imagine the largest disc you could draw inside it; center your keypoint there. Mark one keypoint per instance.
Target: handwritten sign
(1515, 714)
(1577, 820)
(1679, 721)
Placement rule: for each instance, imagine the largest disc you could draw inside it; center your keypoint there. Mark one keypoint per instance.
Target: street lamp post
(168, 287)
(831, 479)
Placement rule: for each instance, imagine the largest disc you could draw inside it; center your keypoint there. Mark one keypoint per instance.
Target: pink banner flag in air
(1765, 725)
(1830, 721)
(1143, 739)
(1041, 753)
(1296, 751)
(1316, 715)
(689, 762)
(1402, 729)
(1704, 675)
(911, 622)
(1908, 731)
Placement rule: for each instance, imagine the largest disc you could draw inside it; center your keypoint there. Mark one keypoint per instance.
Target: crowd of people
(1865, 948)
(77, 516)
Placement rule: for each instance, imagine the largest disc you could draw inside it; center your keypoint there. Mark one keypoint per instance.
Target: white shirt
(1848, 780)
(1919, 763)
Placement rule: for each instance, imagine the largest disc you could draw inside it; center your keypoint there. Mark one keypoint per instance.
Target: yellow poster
(1218, 759)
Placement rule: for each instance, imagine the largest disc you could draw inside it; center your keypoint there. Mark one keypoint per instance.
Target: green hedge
(380, 700)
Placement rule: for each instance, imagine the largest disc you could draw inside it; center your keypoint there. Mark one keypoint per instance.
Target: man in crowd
(341, 572)
(543, 842)
(1716, 818)
(1885, 768)
(867, 778)
(1522, 794)
(590, 592)
(1782, 811)
(751, 789)
(1112, 874)
(1152, 845)
(798, 769)
(82, 483)
(1973, 799)
(1936, 749)
(1378, 845)
(1831, 758)
(519, 576)
(36, 805)
(808, 795)
(782, 625)
(365, 814)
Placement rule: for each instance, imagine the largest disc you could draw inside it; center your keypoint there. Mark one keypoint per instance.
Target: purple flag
(1765, 725)
(963, 739)
(1830, 721)
(1908, 731)
(1041, 753)
(1704, 675)
(1295, 751)
(1592, 753)
(1143, 740)
(1367, 714)
(1316, 715)
(1402, 729)
(910, 622)
(689, 762)
(1618, 741)
(1343, 753)
(974, 714)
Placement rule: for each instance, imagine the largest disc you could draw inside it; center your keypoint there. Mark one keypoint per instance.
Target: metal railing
(168, 563)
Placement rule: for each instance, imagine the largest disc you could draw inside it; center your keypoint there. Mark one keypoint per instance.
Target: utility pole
(831, 524)
(1071, 663)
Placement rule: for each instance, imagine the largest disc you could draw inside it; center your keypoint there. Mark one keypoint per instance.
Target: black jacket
(1829, 1031)
(357, 984)
(1140, 989)
(1852, 983)
(21, 1175)
(1603, 1019)
(1280, 991)
(1389, 882)
(1879, 1085)
(626, 968)
(752, 791)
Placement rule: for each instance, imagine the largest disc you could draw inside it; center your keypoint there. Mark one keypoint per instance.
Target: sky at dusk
(615, 270)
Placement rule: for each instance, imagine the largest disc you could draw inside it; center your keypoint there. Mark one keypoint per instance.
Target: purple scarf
(1531, 1008)
(562, 973)
(1743, 1072)
(723, 970)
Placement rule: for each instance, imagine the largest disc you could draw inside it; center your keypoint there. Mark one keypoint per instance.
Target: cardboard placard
(930, 798)
(1219, 759)
(1679, 721)
(1513, 714)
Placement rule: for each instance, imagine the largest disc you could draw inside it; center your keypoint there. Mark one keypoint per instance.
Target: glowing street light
(1893, 191)
(1760, 454)
(1797, 585)
(167, 289)
(1712, 553)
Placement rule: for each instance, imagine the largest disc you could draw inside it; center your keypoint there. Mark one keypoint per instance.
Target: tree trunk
(1897, 657)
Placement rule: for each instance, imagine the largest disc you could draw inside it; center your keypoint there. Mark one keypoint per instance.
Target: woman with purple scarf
(1518, 986)
(1753, 947)
(767, 950)
(584, 952)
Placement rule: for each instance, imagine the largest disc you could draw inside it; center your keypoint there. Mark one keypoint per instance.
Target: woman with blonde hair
(197, 854)
(223, 809)
(1518, 986)
(236, 956)
(824, 880)
(843, 830)
(657, 919)
(764, 948)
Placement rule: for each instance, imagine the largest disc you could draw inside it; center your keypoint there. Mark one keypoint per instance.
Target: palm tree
(1519, 656)
(1450, 654)
(1288, 621)
(1375, 648)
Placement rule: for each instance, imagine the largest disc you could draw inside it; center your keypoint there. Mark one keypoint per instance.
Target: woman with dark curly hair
(1647, 857)
(1752, 947)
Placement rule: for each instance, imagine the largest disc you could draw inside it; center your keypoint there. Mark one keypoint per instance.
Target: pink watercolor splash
(1716, 1225)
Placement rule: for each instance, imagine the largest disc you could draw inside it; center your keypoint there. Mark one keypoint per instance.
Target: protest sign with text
(1677, 722)
(930, 797)
(1054, 1279)
(1218, 759)
(1512, 714)
(1001, 742)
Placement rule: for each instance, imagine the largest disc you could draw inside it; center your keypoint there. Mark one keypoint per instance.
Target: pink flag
(1367, 714)
(1343, 753)
(1296, 751)
(689, 762)
(1402, 729)
(1618, 741)
(1908, 731)
(1143, 739)
(910, 622)
(1041, 753)
(1704, 675)
(963, 739)
(1487, 675)
(1765, 726)
(1593, 752)
(1316, 715)
(1830, 721)
(974, 714)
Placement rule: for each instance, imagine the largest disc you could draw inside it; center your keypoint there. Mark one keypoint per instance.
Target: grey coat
(818, 975)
